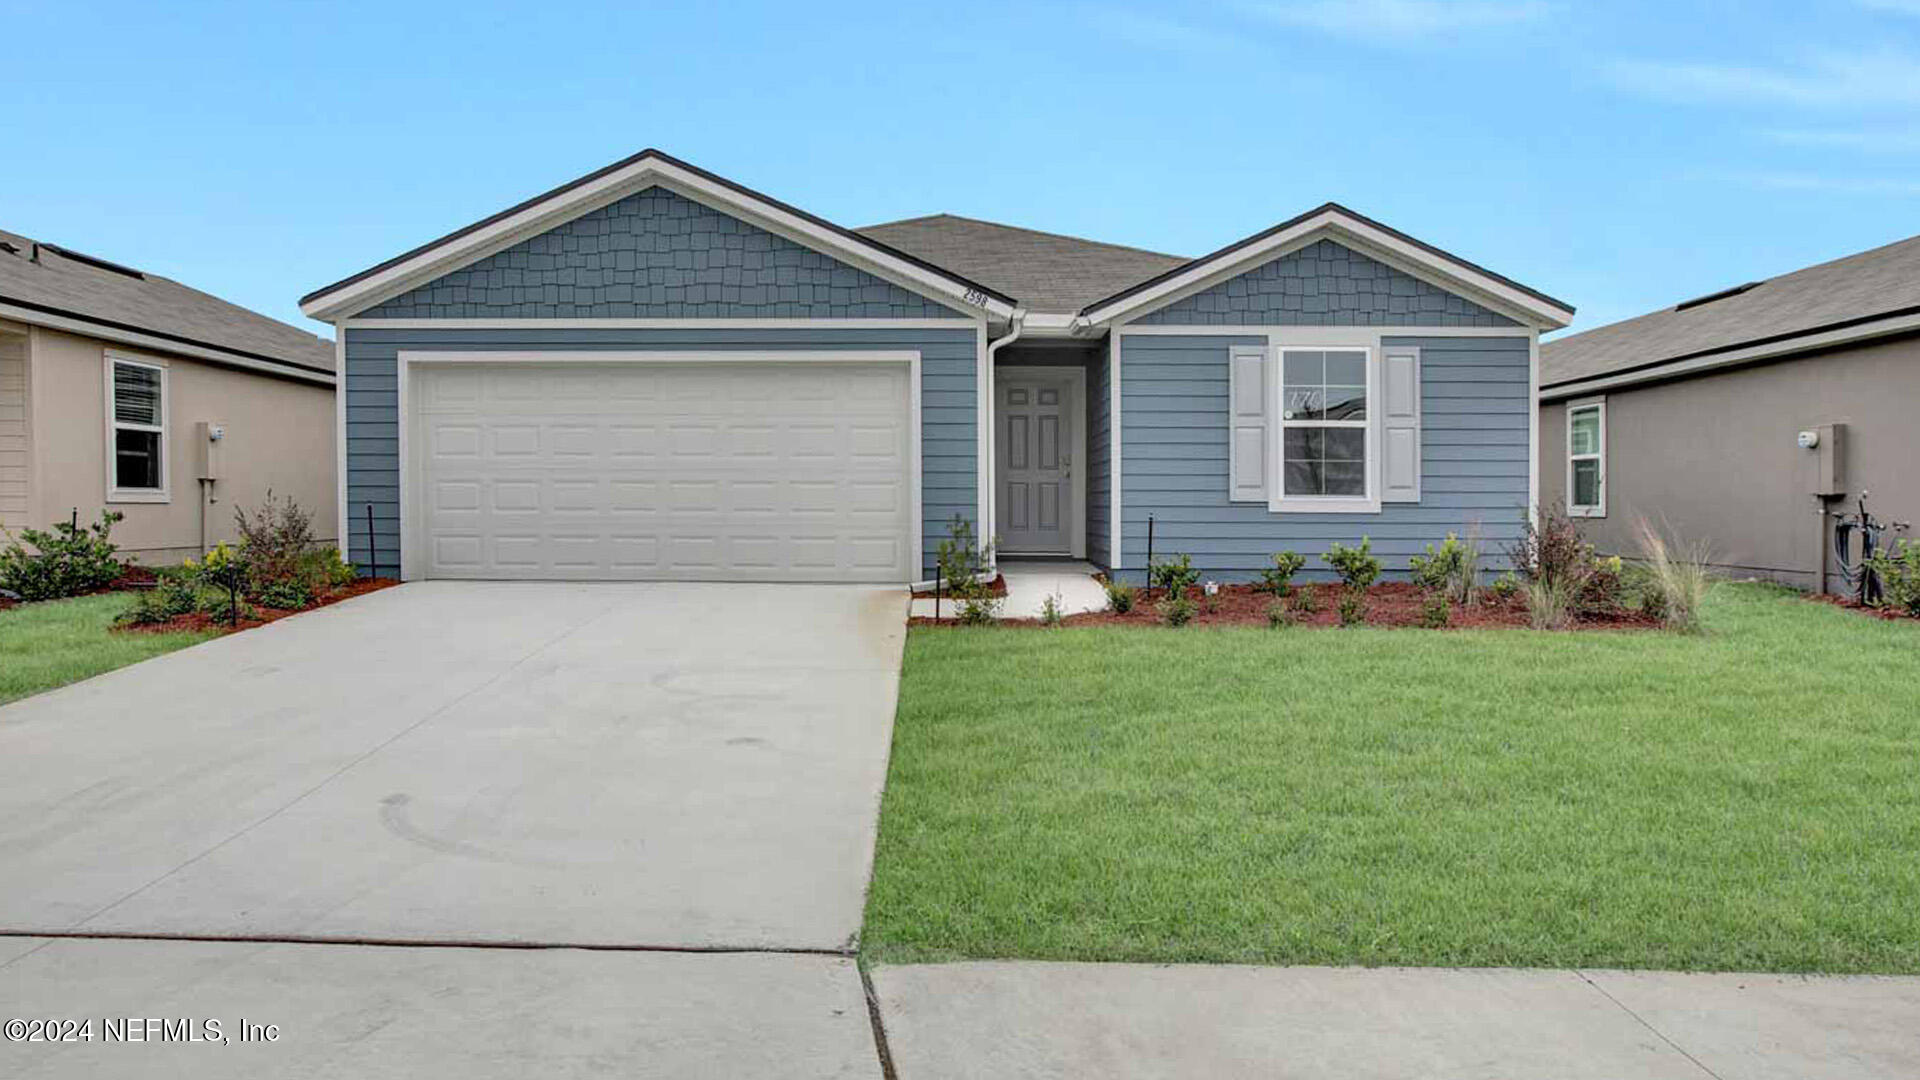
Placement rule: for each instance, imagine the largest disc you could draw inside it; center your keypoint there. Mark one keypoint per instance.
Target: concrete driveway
(611, 765)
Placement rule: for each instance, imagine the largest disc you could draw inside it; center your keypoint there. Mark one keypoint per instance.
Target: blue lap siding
(949, 431)
(1475, 456)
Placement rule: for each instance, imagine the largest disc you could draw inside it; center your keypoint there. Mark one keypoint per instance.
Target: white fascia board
(118, 336)
(1733, 358)
(357, 296)
(1361, 236)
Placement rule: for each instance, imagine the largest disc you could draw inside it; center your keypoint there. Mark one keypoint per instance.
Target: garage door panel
(721, 471)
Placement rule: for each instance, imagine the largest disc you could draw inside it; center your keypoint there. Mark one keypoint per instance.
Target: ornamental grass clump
(1678, 572)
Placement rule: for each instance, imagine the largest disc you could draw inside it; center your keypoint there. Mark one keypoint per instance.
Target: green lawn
(56, 642)
(1744, 800)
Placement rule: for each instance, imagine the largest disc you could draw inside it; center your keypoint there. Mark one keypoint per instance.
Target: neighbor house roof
(1048, 272)
(45, 283)
(1861, 295)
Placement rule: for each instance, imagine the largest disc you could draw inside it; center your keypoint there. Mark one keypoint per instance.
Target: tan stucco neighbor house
(126, 391)
(1747, 418)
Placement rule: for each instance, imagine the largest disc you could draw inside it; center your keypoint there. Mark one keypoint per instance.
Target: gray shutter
(1247, 423)
(1400, 427)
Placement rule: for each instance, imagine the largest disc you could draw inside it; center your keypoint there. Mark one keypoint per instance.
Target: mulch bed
(996, 587)
(201, 621)
(1392, 604)
(1858, 608)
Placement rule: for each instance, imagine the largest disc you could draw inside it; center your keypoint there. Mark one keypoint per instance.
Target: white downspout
(1017, 323)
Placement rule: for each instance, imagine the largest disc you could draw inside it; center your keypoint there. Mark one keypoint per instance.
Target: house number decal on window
(1311, 402)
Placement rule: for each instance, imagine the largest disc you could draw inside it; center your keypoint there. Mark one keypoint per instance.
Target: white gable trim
(354, 296)
(1361, 236)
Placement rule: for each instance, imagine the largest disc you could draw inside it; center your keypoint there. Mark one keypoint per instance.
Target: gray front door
(1036, 513)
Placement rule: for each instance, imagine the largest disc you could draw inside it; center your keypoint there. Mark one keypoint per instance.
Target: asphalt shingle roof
(1883, 281)
(1046, 271)
(60, 283)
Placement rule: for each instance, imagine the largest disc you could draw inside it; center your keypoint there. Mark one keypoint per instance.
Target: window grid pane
(136, 395)
(1585, 431)
(1586, 482)
(136, 460)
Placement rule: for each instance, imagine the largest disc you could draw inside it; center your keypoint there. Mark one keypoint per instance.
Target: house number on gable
(976, 298)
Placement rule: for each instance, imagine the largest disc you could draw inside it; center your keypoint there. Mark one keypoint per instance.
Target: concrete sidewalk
(1118, 1021)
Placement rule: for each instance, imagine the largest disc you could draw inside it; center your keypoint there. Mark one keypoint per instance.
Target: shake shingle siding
(657, 254)
(949, 401)
(1324, 284)
(1174, 459)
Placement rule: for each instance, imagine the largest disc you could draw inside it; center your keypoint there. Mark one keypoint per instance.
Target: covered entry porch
(1050, 447)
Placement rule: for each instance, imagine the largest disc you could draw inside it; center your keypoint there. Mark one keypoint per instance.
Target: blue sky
(1620, 156)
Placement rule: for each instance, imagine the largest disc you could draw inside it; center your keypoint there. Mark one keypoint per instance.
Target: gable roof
(1857, 296)
(48, 284)
(645, 169)
(1049, 272)
(1354, 230)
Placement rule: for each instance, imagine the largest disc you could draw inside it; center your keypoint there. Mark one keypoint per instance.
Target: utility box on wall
(1830, 467)
(212, 436)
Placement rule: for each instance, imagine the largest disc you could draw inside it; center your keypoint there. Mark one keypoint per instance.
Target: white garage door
(717, 471)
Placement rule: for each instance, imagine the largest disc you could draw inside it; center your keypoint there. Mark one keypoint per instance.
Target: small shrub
(229, 608)
(1174, 575)
(1506, 587)
(1550, 550)
(1550, 603)
(1653, 603)
(1178, 610)
(289, 595)
(224, 571)
(1278, 579)
(1436, 570)
(1466, 580)
(963, 561)
(1279, 615)
(1353, 607)
(276, 543)
(1306, 600)
(66, 560)
(1898, 569)
(1050, 614)
(172, 595)
(1120, 596)
(980, 610)
(1356, 565)
(1678, 572)
(326, 567)
(1604, 592)
(1436, 612)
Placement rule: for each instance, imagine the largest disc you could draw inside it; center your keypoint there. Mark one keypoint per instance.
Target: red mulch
(199, 620)
(996, 587)
(1858, 608)
(1393, 604)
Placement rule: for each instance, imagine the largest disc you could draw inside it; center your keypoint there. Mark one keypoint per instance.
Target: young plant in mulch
(1174, 575)
(1279, 615)
(225, 572)
(1120, 596)
(1306, 600)
(1357, 569)
(1277, 579)
(1178, 610)
(1436, 613)
(963, 562)
(1050, 614)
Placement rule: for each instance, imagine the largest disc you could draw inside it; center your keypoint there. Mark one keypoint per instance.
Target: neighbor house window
(1587, 459)
(136, 431)
(1324, 421)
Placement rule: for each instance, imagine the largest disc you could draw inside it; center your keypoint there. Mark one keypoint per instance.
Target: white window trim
(116, 493)
(1278, 501)
(1599, 407)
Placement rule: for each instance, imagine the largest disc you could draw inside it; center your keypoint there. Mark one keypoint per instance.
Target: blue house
(654, 373)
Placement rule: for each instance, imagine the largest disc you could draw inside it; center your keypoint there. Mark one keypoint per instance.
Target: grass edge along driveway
(1744, 800)
(52, 643)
